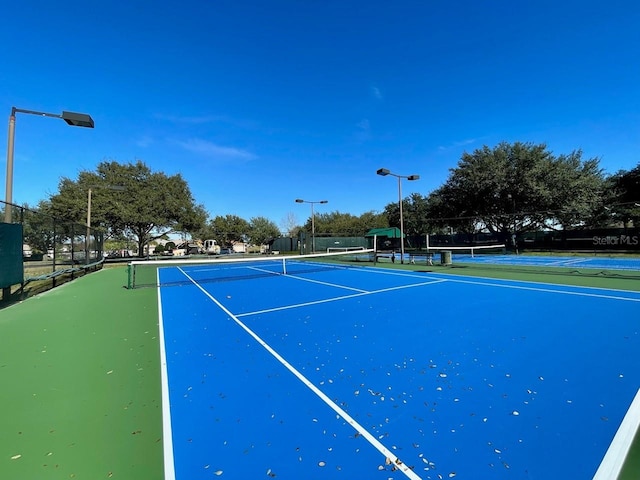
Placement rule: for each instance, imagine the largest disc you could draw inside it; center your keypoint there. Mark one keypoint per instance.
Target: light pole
(73, 119)
(118, 188)
(384, 172)
(313, 221)
(514, 235)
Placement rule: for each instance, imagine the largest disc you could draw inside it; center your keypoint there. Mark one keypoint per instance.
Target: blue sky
(257, 103)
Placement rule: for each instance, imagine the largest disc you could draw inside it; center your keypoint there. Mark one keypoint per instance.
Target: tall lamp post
(109, 187)
(313, 221)
(384, 172)
(73, 119)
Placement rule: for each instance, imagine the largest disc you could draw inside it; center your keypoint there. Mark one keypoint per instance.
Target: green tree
(226, 230)
(371, 219)
(577, 190)
(346, 224)
(624, 202)
(414, 214)
(39, 230)
(518, 187)
(262, 231)
(148, 204)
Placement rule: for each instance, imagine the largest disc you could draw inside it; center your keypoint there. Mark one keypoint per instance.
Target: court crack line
(399, 464)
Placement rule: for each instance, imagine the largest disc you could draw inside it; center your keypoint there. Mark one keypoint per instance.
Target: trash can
(445, 257)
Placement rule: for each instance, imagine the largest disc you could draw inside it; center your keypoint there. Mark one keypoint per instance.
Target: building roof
(390, 232)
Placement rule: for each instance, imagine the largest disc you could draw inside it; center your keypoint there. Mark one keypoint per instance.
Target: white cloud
(205, 119)
(210, 149)
(364, 124)
(458, 144)
(144, 141)
(363, 132)
(194, 120)
(377, 94)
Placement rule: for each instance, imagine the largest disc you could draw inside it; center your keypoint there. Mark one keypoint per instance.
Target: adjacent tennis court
(362, 372)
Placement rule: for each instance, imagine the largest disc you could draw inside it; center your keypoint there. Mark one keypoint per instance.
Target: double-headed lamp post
(313, 221)
(384, 172)
(73, 119)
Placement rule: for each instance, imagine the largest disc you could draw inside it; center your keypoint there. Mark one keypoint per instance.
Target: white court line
(617, 452)
(549, 290)
(167, 436)
(345, 287)
(335, 299)
(490, 282)
(566, 262)
(312, 281)
(399, 464)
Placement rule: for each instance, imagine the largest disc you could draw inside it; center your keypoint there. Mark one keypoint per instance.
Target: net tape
(222, 269)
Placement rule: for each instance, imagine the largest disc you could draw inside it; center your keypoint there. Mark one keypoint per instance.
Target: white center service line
(388, 454)
(312, 281)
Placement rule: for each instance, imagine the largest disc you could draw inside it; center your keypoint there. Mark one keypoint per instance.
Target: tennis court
(594, 262)
(495, 255)
(362, 372)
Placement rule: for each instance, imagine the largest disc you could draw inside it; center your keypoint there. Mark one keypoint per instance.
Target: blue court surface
(367, 373)
(577, 262)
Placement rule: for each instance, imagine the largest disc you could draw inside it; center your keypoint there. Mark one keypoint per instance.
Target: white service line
(345, 287)
(312, 281)
(566, 262)
(388, 454)
(335, 299)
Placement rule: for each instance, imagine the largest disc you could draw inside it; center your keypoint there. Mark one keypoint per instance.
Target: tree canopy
(262, 231)
(346, 224)
(508, 189)
(130, 197)
(626, 185)
(226, 230)
(516, 188)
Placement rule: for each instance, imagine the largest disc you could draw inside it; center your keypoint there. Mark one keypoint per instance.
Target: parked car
(119, 254)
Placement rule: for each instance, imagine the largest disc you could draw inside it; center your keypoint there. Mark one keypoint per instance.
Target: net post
(375, 249)
(472, 256)
(129, 276)
(284, 267)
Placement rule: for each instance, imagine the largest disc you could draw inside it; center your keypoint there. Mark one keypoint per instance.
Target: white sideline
(167, 436)
(613, 460)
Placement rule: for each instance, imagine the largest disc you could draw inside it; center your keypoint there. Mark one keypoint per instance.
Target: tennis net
(443, 255)
(470, 252)
(344, 249)
(446, 254)
(144, 273)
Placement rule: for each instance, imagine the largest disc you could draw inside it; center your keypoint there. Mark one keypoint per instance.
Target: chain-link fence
(36, 248)
(306, 243)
